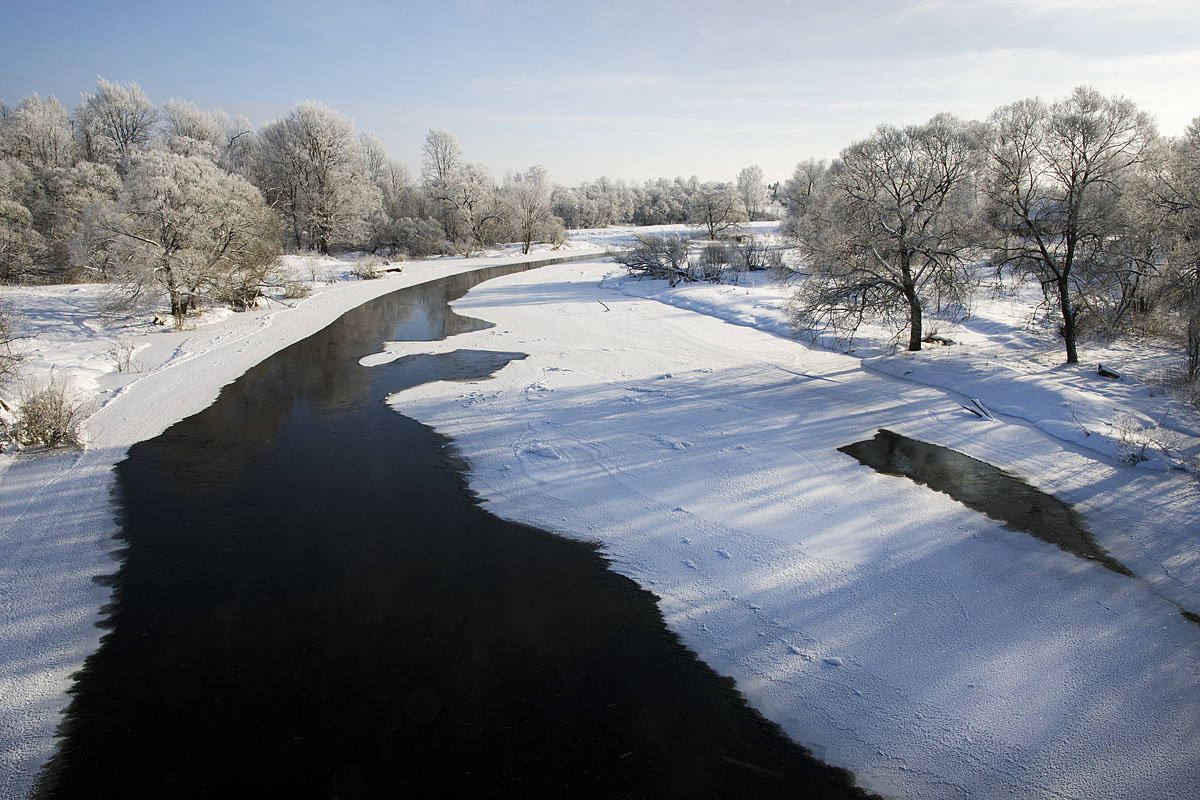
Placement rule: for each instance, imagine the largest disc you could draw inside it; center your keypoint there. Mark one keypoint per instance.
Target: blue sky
(619, 88)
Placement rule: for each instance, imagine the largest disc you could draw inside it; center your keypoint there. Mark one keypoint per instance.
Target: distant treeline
(73, 187)
(1082, 195)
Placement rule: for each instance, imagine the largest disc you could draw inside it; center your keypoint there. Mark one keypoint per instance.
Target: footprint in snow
(833, 661)
(686, 540)
(542, 451)
(665, 442)
(796, 651)
(724, 554)
(687, 562)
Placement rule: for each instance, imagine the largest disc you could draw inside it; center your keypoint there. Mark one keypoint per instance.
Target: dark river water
(311, 603)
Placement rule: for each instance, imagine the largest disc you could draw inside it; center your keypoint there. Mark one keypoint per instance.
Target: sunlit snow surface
(885, 625)
(889, 628)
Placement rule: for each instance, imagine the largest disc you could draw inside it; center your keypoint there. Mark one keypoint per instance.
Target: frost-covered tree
(36, 139)
(470, 193)
(752, 191)
(1055, 186)
(1175, 196)
(663, 202)
(38, 134)
(604, 201)
(885, 233)
(441, 156)
(465, 194)
(20, 244)
(113, 122)
(527, 197)
(311, 169)
(66, 195)
(190, 131)
(400, 223)
(717, 208)
(185, 229)
(375, 159)
(238, 151)
(799, 191)
(401, 196)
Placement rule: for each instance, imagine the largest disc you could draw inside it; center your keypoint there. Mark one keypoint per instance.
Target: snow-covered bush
(712, 263)
(296, 290)
(50, 414)
(658, 257)
(120, 355)
(750, 254)
(367, 268)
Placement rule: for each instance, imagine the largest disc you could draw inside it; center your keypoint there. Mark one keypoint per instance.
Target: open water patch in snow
(984, 488)
(991, 491)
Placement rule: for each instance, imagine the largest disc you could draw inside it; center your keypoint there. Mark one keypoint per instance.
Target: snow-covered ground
(883, 624)
(892, 630)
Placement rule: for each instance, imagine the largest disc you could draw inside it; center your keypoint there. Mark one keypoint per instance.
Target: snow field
(889, 628)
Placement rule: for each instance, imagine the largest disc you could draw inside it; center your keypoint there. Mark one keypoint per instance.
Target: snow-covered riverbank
(889, 628)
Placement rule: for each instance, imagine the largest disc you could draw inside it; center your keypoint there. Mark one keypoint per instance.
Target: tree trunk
(178, 310)
(1068, 315)
(915, 332)
(178, 307)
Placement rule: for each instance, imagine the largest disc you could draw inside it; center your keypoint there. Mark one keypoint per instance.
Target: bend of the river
(312, 603)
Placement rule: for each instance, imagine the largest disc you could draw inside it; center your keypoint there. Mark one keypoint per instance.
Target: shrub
(296, 290)
(366, 269)
(658, 257)
(50, 415)
(713, 261)
(120, 355)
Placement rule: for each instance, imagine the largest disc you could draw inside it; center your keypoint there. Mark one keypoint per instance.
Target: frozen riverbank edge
(892, 630)
(56, 516)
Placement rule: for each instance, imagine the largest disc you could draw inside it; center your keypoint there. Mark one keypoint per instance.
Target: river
(311, 602)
